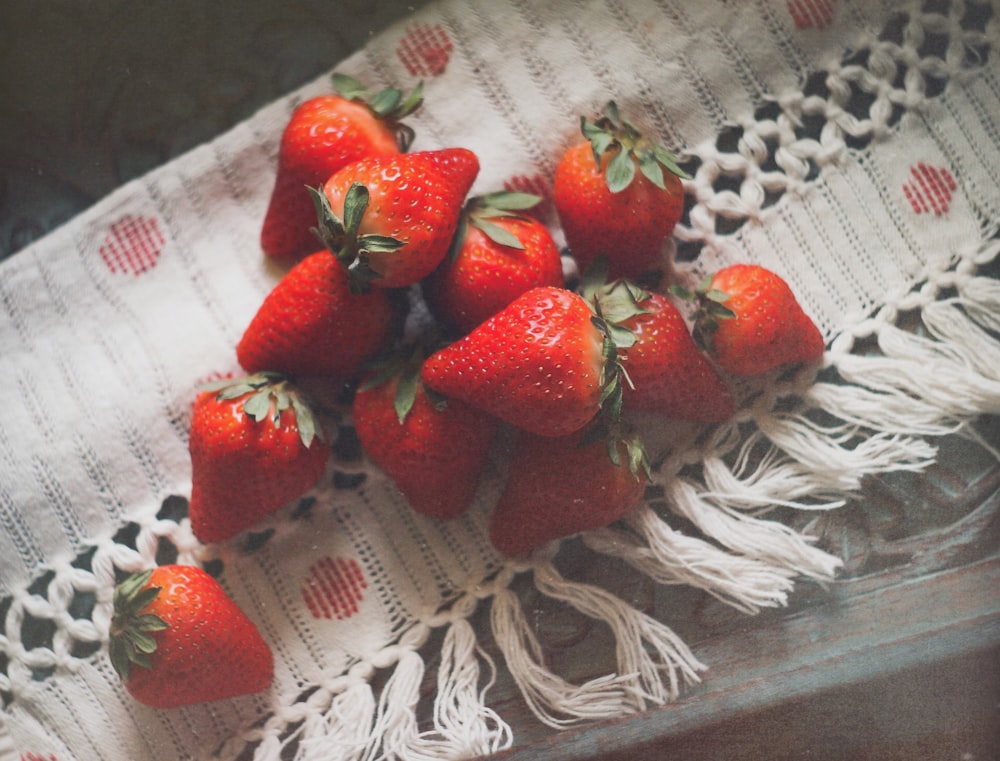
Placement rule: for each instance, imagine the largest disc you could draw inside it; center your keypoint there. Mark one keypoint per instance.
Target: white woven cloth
(849, 145)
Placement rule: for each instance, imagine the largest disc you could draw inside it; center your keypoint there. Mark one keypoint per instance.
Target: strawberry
(557, 487)
(543, 363)
(254, 447)
(433, 449)
(613, 197)
(413, 202)
(313, 324)
(667, 371)
(177, 639)
(751, 322)
(496, 256)
(323, 135)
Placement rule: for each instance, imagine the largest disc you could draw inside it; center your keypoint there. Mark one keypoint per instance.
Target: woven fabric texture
(850, 146)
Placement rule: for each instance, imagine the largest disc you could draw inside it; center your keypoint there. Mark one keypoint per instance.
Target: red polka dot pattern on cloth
(929, 189)
(812, 13)
(132, 245)
(333, 587)
(425, 50)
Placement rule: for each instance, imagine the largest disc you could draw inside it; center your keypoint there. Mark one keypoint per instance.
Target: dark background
(95, 93)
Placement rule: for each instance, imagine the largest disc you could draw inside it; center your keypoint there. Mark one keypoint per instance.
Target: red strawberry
(752, 323)
(254, 448)
(542, 363)
(667, 372)
(557, 487)
(414, 201)
(312, 324)
(606, 206)
(323, 135)
(177, 639)
(433, 449)
(496, 256)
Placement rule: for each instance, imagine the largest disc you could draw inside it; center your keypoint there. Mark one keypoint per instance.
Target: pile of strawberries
(361, 223)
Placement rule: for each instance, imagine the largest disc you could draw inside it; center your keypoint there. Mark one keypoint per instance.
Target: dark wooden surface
(895, 660)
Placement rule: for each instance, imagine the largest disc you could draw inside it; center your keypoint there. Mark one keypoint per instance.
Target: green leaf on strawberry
(268, 395)
(480, 210)
(402, 365)
(390, 104)
(612, 132)
(342, 238)
(130, 642)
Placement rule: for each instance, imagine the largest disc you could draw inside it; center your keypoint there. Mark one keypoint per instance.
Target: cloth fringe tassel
(652, 662)
(345, 721)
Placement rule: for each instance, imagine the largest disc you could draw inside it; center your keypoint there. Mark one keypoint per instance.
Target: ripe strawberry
(323, 135)
(312, 324)
(607, 207)
(557, 487)
(413, 204)
(254, 447)
(751, 322)
(667, 372)
(542, 363)
(433, 449)
(496, 256)
(177, 639)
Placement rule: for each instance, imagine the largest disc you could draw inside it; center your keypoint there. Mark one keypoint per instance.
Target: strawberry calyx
(131, 640)
(403, 364)
(341, 235)
(613, 303)
(268, 395)
(620, 439)
(391, 104)
(481, 209)
(711, 309)
(628, 147)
